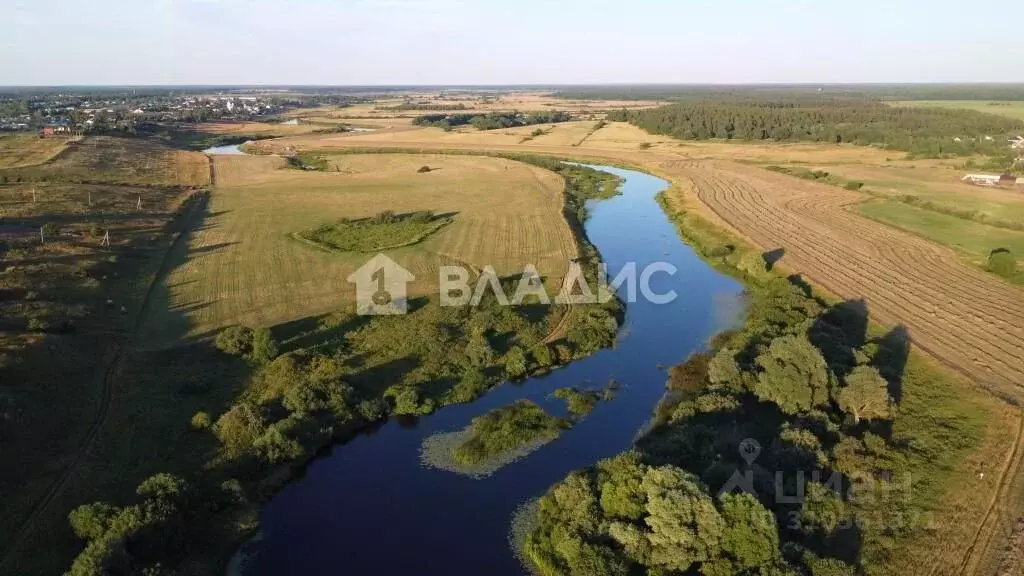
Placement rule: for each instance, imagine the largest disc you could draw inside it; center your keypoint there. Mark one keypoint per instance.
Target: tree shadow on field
(839, 332)
(891, 359)
(772, 257)
(798, 281)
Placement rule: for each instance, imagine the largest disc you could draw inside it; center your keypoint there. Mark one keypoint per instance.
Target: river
(370, 507)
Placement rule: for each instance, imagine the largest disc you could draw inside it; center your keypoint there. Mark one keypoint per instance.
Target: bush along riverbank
(310, 384)
(809, 441)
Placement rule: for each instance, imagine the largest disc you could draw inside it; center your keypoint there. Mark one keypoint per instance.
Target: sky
(386, 42)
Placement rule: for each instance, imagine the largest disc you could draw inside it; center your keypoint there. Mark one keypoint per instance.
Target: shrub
(51, 229)
(274, 447)
(201, 421)
(690, 376)
(240, 426)
(537, 132)
(542, 355)
(38, 325)
(854, 185)
(1002, 262)
(471, 386)
(721, 251)
(373, 410)
(645, 145)
(386, 217)
(424, 169)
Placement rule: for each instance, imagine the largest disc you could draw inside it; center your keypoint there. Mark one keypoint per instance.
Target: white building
(982, 179)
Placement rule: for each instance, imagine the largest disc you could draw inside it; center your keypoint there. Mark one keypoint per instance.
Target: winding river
(370, 507)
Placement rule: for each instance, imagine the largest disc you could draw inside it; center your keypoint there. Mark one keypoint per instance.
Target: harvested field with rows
(963, 317)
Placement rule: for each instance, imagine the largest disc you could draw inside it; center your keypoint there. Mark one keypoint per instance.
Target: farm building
(982, 179)
(991, 179)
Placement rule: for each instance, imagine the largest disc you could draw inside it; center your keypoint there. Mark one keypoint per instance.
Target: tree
(794, 375)
(515, 363)
(235, 340)
(750, 538)
(264, 347)
(724, 371)
(162, 487)
(479, 353)
(619, 479)
(866, 394)
(90, 521)
(685, 527)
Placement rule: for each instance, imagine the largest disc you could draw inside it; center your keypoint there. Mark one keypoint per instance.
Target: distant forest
(888, 92)
(493, 120)
(921, 131)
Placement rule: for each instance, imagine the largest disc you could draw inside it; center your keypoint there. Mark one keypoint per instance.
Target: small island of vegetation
(385, 231)
(493, 440)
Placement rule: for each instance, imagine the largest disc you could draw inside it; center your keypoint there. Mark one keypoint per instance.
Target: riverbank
(944, 418)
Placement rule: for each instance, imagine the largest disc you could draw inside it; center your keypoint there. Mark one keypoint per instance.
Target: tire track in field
(987, 529)
(110, 371)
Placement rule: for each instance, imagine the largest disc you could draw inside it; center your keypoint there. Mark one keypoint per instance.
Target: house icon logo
(381, 286)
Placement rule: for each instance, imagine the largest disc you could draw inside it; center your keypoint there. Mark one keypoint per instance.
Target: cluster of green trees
(505, 429)
(826, 402)
(492, 120)
(921, 131)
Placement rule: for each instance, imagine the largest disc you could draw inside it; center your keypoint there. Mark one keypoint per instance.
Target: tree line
(922, 131)
(492, 120)
(680, 92)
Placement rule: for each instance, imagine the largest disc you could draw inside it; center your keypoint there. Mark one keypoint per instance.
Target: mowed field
(241, 267)
(125, 160)
(1010, 109)
(20, 150)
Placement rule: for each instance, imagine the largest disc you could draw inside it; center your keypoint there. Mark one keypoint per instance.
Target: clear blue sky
(46, 42)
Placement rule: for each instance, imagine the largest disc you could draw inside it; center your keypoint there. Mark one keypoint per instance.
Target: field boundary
(984, 537)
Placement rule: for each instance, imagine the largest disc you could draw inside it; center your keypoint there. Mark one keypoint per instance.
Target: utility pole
(42, 240)
(90, 197)
(106, 239)
(139, 205)
(33, 193)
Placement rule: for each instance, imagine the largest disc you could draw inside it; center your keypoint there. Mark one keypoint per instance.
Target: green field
(1010, 109)
(972, 237)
